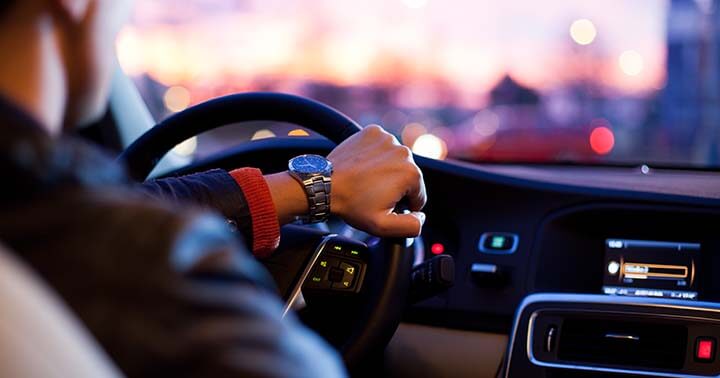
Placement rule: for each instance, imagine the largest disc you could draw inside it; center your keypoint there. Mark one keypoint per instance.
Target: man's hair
(5, 5)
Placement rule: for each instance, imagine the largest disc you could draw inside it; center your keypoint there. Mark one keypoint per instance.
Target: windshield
(609, 82)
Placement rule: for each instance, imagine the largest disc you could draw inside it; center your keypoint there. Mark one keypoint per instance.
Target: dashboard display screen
(646, 268)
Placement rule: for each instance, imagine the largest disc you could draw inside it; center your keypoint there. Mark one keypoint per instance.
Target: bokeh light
(263, 134)
(583, 31)
(486, 123)
(415, 4)
(631, 63)
(411, 132)
(602, 140)
(298, 133)
(186, 148)
(177, 99)
(430, 146)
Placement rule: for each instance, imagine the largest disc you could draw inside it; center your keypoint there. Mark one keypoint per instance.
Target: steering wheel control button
(705, 349)
(346, 276)
(335, 275)
(320, 278)
(498, 243)
(349, 249)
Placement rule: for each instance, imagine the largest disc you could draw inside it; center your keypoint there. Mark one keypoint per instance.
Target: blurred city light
(631, 63)
(262, 134)
(583, 31)
(176, 99)
(602, 140)
(486, 123)
(186, 148)
(415, 4)
(482, 80)
(411, 132)
(298, 133)
(430, 146)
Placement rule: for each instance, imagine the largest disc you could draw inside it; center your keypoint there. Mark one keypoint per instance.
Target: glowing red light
(705, 349)
(602, 140)
(437, 249)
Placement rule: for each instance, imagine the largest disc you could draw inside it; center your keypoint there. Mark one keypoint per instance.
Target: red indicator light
(437, 249)
(705, 349)
(602, 140)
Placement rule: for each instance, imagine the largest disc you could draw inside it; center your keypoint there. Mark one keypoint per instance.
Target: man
(164, 288)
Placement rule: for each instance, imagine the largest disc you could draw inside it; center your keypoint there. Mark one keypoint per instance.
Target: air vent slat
(623, 343)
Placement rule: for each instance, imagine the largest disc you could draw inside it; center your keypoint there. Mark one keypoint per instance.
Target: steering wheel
(357, 315)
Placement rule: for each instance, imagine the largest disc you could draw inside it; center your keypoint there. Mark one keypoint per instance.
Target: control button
(489, 275)
(336, 248)
(348, 269)
(347, 249)
(318, 278)
(498, 243)
(705, 349)
(335, 274)
(348, 277)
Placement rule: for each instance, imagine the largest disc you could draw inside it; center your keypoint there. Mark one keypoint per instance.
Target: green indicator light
(355, 253)
(498, 241)
(337, 248)
(323, 264)
(316, 279)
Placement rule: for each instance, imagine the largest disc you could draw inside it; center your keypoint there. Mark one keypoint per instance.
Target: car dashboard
(591, 270)
(539, 250)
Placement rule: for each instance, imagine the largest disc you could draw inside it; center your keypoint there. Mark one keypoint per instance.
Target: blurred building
(690, 102)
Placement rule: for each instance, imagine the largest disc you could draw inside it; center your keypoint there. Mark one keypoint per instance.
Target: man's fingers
(416, 195)
(400, 225)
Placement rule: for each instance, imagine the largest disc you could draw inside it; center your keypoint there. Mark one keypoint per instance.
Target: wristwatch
(313, 172)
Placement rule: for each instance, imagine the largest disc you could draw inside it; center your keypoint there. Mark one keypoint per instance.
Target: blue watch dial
(309, 164)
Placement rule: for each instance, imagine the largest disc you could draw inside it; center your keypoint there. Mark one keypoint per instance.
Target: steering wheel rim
(144, 153)
(392, 262)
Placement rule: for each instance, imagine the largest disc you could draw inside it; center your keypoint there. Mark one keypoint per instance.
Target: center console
(583, 335)
(621, 291)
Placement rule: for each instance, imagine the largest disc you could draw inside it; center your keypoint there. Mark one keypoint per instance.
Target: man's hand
(372, 173)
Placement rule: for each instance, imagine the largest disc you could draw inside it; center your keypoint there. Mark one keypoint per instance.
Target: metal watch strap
(317, 189)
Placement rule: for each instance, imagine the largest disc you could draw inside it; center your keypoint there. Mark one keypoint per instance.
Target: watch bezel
(323, 171)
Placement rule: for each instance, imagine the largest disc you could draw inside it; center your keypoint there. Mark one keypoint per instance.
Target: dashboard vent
(615, 342)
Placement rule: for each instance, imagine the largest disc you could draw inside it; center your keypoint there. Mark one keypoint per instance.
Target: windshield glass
(613, 81)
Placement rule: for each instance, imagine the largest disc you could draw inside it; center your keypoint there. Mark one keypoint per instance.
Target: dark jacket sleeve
(166, 291)
(214, 189)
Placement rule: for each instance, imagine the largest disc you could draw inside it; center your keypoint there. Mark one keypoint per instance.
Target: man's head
(82, 32)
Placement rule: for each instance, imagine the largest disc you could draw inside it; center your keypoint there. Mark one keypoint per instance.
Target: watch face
(309, 164)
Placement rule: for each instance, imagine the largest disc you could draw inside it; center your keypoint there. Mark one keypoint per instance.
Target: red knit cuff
(265, 225)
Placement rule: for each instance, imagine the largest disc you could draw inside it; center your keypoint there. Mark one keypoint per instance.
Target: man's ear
(75, 10)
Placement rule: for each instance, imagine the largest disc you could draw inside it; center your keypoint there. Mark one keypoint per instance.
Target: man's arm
(373, 172)
(165, 291)
(242, 196)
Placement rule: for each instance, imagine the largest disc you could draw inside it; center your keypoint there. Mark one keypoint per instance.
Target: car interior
(582, 246)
